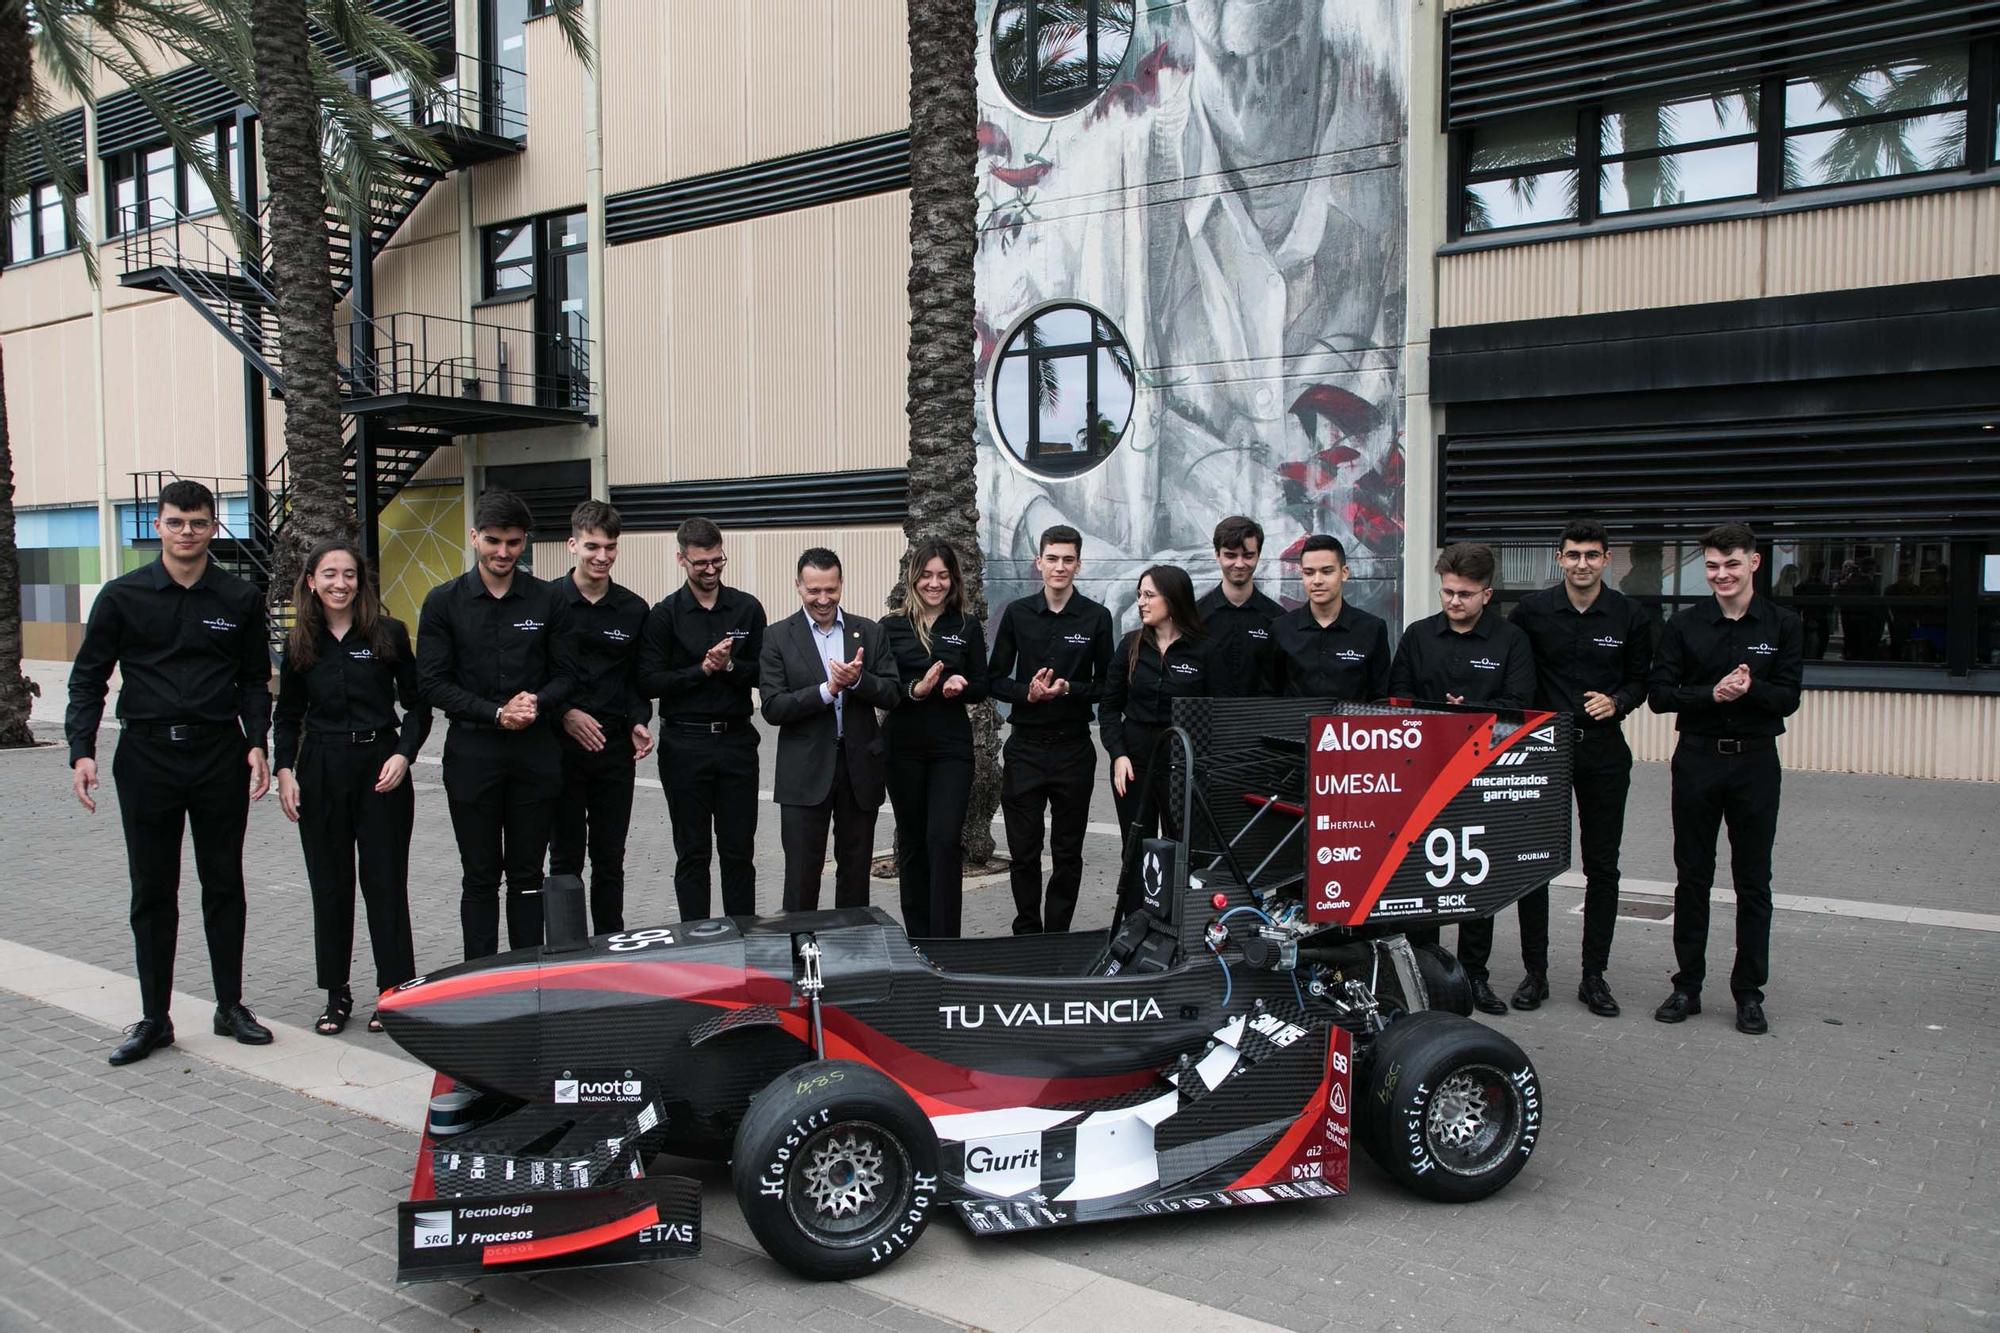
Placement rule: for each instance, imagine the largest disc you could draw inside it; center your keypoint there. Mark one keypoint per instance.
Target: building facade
(1357, 266)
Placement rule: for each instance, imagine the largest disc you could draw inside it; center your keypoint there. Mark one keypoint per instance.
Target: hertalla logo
(1405, 735)
(1050, 1014)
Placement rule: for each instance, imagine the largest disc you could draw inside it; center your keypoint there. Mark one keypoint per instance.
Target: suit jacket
(790, 672)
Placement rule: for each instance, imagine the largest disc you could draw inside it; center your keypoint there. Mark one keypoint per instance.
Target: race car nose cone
(478, 1022)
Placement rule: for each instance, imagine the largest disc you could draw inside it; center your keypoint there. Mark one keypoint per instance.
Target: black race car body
(1202, 1053)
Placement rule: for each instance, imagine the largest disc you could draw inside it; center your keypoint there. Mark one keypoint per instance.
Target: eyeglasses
(1581, 557)
(716, 563)
(197, 526)
(1450, 595)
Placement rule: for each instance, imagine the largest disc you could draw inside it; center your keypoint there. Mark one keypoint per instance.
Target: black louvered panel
(124, 121)
(779, 185)
(25, 163)
(429, 21)
(810, 500)
(1938, 475)
(1524, 55)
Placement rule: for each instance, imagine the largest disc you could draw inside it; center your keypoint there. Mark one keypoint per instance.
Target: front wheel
(1455, 1108)
(836, 1170)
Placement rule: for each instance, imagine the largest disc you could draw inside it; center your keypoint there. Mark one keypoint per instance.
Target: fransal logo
(1070, 1013)
(1407, 735)
(1545, 734)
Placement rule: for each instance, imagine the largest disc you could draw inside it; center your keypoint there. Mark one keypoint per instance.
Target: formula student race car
(1255, 1011)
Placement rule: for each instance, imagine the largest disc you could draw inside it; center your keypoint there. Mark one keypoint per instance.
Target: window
(125, 211)
(20, 230)
(1874, 119)
(1053, 57)
(162, 184)
(1063, 389)
(37, 225)
(1883, 118)
(510, 258)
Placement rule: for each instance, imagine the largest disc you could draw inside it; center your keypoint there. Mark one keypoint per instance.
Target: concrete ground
(1836, 1174)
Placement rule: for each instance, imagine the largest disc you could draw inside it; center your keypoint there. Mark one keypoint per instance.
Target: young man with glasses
(196, 708)
(1593, 649)
(1465, 654)
(699, 658)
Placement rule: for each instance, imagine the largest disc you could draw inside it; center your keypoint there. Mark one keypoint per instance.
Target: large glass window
(1882, 118)
(1053, 57)
(1063, 389)
(1662, 152)
(162, 172)
(1521, 172)
(20, 230)
(510, 258)
(51, 234)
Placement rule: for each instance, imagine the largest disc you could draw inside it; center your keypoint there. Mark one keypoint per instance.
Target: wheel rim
(851, 1180)
(1474, 1120)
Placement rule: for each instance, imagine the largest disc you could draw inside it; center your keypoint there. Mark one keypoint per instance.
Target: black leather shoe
(1676, 1008)
(1484, 1000)
(1534, 988)
(142, 1039)
(1750, 1018)
(233, 1020)
(1593, 992)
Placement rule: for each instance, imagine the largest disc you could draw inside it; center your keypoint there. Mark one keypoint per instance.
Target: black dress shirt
(1138, 704)
(350, 688)
(476, 651)
(918, 726)
(679, 632)
(195, 654)
(1607, 647)
(604, 640)
(1348, 659)
(1701, 645)
(1075, 642)
(1239, 641)
(1491, 663)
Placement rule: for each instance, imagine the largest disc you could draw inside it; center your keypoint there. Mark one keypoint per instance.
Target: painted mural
(1233, 203)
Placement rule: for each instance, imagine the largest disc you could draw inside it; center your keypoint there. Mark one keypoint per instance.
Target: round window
(1062, 390)
(1054, 56)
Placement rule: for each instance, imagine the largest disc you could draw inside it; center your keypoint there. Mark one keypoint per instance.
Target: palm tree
(944, 490)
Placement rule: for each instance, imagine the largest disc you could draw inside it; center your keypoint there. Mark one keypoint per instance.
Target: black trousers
(711, 784)
(164, 787)
(803, 829)
(594, 815)
(930, 792)
(1053, 772)
(1602, 778)
(342, 819)
(503, 787)
(1710, 790)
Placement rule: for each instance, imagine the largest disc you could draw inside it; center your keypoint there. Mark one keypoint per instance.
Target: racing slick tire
(836, 1170)
(1444, 977)
(1454, 1109)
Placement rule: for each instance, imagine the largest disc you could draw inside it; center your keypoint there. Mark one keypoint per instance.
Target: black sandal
(339, 1008)
(375, 1023)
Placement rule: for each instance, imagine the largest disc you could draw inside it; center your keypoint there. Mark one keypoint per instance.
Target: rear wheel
(1454, 1108)
(836, 1170)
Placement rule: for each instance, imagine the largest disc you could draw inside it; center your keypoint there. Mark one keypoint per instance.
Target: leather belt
(713, 727)
(1732, 744)
(180, 733)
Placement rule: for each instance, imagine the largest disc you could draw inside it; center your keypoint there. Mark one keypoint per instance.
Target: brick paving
(1838, 1174)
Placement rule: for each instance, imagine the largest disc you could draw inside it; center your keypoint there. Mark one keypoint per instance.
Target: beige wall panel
(635, 93)
(1923, 238)
(1674, 266)
(177, 403)
(793, 46)
(48, 291)
(638, 348)
(421, 278)
(709, 379)
(1846, 731)
(792, 334)
(872, 338)
(436, 214)
(871, 46)
(444, 465)
(549, 175)
(1520, 282)
(50, 416)
(707, 73)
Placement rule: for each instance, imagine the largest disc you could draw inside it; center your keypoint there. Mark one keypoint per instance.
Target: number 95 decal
(1445, 853)
(637, 939)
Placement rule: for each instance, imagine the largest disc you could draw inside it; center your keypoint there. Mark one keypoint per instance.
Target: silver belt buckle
(179, 731)
(718, 728)
(361, 738)
(1726, 745)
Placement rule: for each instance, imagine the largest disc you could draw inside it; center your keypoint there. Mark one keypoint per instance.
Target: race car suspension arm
(810, 986)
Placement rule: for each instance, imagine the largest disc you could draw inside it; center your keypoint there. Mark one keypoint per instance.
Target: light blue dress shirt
(832, 644)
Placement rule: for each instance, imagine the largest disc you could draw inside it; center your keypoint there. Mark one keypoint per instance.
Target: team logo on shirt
(1483, 664)
(1184, 668)
(1081, 640)
(528, 625)
(1350, 655)
(219, 624)
(1606, 641)
(1763, 648)
(616, 635)
(951, 639)
(1258, 633)
(362, 654)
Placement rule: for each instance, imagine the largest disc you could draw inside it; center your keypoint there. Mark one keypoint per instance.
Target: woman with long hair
(941, 657)
(343, 764)
(1166, 658)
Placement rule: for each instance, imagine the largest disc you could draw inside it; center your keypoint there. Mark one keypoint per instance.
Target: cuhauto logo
(1406, 735)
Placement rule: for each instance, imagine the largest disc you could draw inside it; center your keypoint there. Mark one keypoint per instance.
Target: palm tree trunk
(316, 505)
(944, 485)
(16, 690)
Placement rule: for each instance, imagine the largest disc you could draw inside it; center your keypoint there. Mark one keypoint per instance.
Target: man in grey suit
(821, 676)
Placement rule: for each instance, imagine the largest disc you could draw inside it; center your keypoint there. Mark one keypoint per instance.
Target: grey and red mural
(1230, 199)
